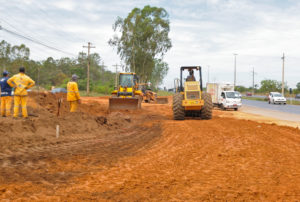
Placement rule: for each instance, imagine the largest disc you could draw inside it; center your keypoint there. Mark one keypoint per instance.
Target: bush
(104, 89)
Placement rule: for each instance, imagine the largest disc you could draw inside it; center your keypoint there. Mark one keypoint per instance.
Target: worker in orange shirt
(73, 96)
(21, 82)
(5, 95)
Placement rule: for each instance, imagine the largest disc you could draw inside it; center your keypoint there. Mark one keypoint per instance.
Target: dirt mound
(41, 125)
(49, 102)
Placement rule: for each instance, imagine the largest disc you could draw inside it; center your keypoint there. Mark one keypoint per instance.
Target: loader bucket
(116, 103)
(162, 100)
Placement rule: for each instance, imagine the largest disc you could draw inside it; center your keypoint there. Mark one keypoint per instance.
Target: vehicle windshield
(126, 80)
(277, 95)
(233, 95)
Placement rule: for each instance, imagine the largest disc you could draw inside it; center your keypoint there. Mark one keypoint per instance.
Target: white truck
(224, 96)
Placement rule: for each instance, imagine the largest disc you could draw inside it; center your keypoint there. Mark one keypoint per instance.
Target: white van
(224, 96)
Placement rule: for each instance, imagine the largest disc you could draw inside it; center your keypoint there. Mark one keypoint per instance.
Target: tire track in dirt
(221, 159)
(166, 160)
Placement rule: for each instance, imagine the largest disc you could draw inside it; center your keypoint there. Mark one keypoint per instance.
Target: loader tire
(206, 112)
(178, 109)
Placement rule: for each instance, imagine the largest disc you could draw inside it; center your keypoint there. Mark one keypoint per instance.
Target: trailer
(224, 96)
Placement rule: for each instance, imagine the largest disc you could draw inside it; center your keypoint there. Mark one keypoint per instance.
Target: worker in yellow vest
(73, 96)
(21, 82)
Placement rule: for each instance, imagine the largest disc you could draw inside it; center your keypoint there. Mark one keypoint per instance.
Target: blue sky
(203, 32)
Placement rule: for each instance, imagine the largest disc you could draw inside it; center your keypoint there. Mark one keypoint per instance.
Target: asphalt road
(262, 96)
(294, 109)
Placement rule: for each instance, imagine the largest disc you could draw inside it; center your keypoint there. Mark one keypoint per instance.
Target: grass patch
(164, 93)
(92, 94)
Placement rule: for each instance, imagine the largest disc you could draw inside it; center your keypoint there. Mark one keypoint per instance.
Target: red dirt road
(145, 155)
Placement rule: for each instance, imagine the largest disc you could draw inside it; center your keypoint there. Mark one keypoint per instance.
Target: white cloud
(68, 5)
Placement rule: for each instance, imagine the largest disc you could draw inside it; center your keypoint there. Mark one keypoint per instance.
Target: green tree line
(267, 86)
(57, 72)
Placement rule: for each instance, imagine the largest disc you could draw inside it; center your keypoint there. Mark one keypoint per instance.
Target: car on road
(58, 90)
(297, 96)
(276, 98)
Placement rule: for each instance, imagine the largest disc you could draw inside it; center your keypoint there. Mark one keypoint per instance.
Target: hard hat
(75, 77)
(5, 73)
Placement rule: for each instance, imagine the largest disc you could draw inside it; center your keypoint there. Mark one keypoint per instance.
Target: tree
(241, 89)
(56, 72)
(298, 86)
(144, 39)
(159, 72)
(270, 85)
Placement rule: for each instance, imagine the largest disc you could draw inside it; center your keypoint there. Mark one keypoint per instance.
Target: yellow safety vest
(21, 83)
(73, 93)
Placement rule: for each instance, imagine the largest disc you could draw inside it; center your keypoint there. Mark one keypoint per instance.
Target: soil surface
(145, 155)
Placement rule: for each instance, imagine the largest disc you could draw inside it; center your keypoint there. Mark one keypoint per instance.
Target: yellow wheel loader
(190, 100)
(127, 95)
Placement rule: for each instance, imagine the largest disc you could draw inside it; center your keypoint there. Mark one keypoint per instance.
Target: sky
(203, 32)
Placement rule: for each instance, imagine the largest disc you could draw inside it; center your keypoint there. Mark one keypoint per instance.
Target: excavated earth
(144, 155)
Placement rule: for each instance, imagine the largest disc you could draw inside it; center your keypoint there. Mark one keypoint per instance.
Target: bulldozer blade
(162, 100)
(116, 103)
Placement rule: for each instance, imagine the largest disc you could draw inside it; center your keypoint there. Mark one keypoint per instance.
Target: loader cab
(128, 80)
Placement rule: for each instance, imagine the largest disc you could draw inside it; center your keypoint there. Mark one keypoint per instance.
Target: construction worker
(21, 83)
(73, 96)
(191, 76)
(5, 95)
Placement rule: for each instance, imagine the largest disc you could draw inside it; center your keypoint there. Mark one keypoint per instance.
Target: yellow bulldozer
(190, 100)
(126, 95)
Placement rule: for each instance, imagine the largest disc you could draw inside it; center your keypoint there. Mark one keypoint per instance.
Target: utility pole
(234, 84)
(253, 85)
(88, 67)
(282, 84)
(116, 79)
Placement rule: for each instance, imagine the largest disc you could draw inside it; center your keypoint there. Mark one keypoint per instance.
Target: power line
(23, 30)
(34, 41)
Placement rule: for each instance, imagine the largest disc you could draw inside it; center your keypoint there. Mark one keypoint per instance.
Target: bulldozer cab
(190, 69)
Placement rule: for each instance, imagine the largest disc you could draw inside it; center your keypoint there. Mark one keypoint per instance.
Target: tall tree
(270, 85)
(144, 38)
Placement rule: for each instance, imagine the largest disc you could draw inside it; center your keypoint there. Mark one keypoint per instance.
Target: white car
(276, 98)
